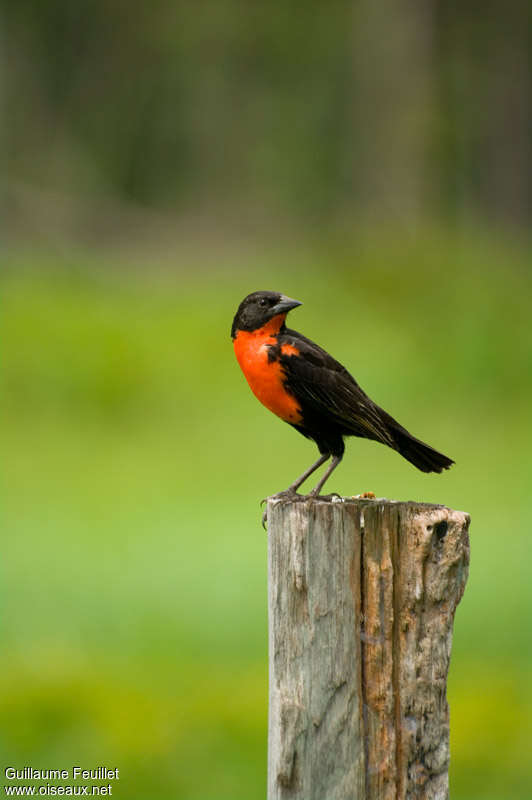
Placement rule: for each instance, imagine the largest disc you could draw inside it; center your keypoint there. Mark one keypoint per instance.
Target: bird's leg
(297, 483)
(302, 478)
(308, 472)
(332, 466)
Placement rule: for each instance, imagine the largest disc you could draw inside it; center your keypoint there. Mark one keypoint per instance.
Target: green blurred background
(165, 159)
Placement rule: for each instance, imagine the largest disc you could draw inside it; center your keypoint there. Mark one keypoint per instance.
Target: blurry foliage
(265, 109)
(134, 568)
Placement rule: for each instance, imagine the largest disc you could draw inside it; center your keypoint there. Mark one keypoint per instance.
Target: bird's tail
(419, 454)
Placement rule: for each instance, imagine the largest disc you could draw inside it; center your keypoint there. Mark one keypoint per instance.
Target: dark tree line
(403, 109)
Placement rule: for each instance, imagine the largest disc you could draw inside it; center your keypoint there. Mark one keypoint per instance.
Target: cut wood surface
(362, 596)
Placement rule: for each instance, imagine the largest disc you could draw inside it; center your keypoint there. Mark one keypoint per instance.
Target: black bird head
(258, 308)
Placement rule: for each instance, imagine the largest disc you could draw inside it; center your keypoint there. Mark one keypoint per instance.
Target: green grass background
(133, 562)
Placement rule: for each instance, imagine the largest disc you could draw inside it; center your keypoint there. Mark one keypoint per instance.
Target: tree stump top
(358, 500)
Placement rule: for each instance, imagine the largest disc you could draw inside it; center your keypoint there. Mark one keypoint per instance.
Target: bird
(302, 384)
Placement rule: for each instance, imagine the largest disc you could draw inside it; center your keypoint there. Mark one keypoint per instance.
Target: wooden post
(362, 595)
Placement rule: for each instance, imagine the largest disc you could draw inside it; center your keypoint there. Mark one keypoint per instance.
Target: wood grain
(362, 595)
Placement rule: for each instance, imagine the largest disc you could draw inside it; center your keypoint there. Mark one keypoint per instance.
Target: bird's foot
(315, 494)
(285, 496)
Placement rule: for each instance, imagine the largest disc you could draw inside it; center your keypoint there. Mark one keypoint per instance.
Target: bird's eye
(263, 302)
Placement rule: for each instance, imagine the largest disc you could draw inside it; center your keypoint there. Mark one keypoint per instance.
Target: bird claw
(287, 494)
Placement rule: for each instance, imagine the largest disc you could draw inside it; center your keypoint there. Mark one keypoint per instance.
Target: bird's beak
(285, 304)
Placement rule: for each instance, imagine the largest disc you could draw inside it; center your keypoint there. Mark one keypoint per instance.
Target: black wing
(327, 391)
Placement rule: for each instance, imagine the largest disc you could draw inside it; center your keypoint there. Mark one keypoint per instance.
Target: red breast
(266, 377)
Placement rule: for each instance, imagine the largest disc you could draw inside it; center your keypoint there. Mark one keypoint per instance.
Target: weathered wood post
(362, 595)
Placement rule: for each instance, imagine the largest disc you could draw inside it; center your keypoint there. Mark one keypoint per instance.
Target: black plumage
(334, 406)
(331, 402)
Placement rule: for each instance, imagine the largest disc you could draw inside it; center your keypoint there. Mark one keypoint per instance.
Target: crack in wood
(364, 639)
